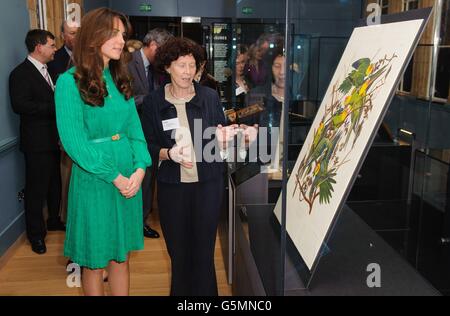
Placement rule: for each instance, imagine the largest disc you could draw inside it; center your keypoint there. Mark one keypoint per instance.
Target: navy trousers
(189, 216)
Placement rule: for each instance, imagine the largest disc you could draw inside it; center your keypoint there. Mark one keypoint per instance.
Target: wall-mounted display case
(279, 71)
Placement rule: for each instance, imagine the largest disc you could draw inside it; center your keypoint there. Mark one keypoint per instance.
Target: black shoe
(38, 246)
(56, 226)
(150, 233)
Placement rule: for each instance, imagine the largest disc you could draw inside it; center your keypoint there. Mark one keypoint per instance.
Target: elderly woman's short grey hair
(158, 35)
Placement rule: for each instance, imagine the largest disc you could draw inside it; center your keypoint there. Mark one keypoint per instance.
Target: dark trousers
(148, 189)
(42, 183)
(189, 215)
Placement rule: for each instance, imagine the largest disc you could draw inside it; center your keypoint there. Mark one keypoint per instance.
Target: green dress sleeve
(141, 156)
(69, 120)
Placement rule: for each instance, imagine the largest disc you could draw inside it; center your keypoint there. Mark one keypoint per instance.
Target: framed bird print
(345, 125)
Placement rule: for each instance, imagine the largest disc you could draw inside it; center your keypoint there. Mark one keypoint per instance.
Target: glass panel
(257, 96)
(445, 23)
(433, 234)
(400, 194)
(383, 194)
(443, 73)
(385, 7)
(406, 84)
(413, 5)
(320, 34)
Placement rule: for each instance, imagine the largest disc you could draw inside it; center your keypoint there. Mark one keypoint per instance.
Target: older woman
(100, 130)
(190, 186)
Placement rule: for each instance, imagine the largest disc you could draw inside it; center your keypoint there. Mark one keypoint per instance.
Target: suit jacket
(60, 64)
(33, 99)
(139, 79)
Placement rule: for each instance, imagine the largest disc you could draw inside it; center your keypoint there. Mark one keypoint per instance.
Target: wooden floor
(26, 273)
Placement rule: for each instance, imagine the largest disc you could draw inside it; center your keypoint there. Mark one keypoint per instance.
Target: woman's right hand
(122, 184)
(225, 134)
(181, 155)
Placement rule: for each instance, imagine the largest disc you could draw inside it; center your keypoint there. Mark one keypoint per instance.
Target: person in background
(202, 76)
(241, 86)
(260, 56)
(100, 130)
(63, 56)
(257, 69)
(190, 189)
(144, 77)
(32, 97)
(272, 96)
(60, 64)
(144, 81)
(133, 45)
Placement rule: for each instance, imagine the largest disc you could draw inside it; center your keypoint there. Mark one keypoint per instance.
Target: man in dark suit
(145, 80)
(63, 56)
(32, 97)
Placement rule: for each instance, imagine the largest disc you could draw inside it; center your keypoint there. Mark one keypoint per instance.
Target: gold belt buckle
(115, 137)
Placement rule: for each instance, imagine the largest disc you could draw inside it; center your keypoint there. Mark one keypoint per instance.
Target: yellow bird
(317, 169)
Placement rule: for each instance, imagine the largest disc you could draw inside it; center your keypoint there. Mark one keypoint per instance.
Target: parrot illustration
(317, 171)
(360, 79)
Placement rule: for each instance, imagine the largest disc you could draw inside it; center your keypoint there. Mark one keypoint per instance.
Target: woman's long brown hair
(96, 29)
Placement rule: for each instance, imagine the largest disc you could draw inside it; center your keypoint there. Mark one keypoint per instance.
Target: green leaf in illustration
(326, 190)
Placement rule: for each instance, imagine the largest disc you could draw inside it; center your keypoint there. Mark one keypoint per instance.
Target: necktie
(151, 85)
(47, 77)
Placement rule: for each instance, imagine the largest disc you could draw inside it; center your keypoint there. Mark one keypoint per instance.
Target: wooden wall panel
(423, 53)
(421, 71)
(31, 4)
(395, 6)
(55, 15)
(424, 56)
(427, 37)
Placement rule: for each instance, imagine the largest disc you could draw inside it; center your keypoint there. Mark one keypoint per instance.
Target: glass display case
(275, 74)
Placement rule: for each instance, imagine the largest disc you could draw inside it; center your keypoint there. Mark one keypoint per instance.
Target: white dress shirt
(146, 62)
(68, 51)
(43, 70)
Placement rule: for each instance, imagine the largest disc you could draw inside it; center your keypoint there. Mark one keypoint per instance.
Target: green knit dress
(102, 225)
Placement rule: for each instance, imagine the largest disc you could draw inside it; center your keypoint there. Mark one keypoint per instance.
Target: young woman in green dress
(100, 130)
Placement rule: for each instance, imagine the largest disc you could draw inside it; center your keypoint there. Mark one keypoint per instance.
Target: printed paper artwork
(341, 133)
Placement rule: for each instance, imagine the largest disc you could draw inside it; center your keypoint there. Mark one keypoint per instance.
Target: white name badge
(172, 124)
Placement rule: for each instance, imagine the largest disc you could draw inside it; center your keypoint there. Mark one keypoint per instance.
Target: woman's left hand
(134, 184)
(250, 133)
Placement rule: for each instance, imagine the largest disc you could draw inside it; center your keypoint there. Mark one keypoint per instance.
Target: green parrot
(316, 153)
(318, 134)
(323, 178)
(357, 77)
(356, 100)
(341, 116)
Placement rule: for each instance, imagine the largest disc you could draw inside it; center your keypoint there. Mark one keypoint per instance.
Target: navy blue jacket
(60, 64)
(205, 106)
